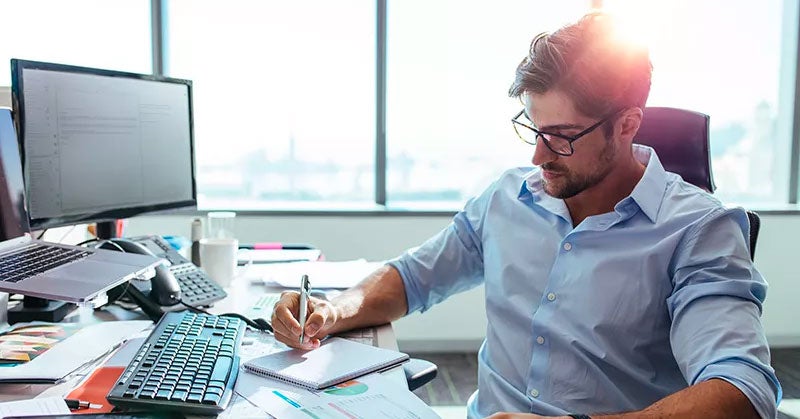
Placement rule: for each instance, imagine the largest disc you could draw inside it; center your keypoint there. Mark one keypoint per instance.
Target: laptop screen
(13, 217)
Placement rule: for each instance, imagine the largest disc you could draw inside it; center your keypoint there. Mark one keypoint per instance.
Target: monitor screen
(99, 145)
(13, 219)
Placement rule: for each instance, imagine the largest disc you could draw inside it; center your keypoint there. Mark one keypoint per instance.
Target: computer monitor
(99, 145)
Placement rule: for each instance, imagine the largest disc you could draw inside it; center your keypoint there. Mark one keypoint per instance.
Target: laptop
(51, 270)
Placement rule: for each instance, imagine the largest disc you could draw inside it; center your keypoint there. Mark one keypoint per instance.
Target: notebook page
(335, 361)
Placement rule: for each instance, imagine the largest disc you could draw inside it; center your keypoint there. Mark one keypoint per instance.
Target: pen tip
(95, 406)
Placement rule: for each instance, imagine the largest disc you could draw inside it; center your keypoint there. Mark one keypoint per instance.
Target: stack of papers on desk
(35, 407)
(81, 348)
(371, 396)
(320, 274)
(245, 256)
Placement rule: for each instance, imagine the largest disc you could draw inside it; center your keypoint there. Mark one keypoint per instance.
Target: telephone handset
(164, 287)
(196, 287)
(155, 296)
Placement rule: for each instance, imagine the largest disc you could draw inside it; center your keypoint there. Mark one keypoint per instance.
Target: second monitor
(99, 145)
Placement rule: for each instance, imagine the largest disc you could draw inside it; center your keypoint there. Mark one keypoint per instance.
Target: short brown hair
(601, 72)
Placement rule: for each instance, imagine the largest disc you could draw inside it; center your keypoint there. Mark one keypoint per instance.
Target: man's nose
(542, 154)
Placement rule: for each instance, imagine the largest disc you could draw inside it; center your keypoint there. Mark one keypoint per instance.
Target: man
(613, 288)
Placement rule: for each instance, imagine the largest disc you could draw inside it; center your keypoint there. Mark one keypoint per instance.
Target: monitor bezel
(18, 102)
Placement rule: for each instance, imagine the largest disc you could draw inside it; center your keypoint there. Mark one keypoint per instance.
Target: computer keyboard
(35, 259)
(188, 363)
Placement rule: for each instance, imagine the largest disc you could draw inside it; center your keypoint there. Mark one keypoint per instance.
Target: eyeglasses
(558, 143)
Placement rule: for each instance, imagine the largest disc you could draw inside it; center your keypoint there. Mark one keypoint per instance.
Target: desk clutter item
(94, 387)
(23, 343)
(253, 254)
(34, 407)
(372, 396)
(188, 363)
(335, 361)
(262, 308)
(323, 275)
(197, 287)
(80, 348)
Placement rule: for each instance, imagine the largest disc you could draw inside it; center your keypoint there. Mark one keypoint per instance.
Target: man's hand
(523, 416)
(322, 315)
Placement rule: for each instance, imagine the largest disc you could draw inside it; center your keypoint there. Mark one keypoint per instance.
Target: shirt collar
(647, 194)
(649, 191)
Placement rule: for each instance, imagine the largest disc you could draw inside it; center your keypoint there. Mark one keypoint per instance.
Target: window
(734, 61)
(90, 33)
(284, 100)
(285, 92)
(450, 64)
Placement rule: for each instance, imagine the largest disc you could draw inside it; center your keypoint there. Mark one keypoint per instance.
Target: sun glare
(634, 20)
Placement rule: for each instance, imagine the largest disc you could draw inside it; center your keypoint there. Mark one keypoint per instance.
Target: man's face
(594, 154)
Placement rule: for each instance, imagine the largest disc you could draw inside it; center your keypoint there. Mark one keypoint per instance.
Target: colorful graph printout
(25, 342)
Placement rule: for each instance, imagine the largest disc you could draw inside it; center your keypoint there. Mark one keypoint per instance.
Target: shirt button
(551, 296)
(540, 340)
(535, 393)
(567, 246)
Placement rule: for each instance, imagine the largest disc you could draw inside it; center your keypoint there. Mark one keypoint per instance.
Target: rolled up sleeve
(448, 263)
(715, 309)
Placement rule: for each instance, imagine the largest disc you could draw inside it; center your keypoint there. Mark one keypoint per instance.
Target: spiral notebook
(337, 360)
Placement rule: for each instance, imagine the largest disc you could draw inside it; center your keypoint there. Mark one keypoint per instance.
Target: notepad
(337, 360)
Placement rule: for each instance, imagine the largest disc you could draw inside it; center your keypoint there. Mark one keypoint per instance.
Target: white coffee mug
(218, 259)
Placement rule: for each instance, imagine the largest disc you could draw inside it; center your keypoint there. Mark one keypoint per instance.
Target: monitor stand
(107, 230)
(41, 309)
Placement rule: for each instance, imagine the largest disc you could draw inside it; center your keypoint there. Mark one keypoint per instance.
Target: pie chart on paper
(349, 388)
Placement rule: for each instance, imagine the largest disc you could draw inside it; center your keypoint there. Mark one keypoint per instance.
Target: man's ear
(628, 123)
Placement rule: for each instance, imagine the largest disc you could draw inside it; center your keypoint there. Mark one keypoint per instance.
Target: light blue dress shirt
(609, 316)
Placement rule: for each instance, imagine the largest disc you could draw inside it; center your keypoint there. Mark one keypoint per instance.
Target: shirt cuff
(762, 389)
(413, 299)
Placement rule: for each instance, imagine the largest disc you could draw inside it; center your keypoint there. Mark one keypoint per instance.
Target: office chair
(419, 372)
(680, 138)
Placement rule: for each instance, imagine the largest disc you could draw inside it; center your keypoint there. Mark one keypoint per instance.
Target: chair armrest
(419, 372)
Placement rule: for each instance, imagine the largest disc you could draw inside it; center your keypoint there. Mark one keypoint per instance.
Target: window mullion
(380, 105)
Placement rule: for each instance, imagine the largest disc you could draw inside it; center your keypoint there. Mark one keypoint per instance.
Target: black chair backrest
(755, 226)
(680, 138)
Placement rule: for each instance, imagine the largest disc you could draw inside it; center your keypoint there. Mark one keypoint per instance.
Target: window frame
(160, 66)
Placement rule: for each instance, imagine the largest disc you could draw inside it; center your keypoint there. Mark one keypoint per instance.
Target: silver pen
(303, 305)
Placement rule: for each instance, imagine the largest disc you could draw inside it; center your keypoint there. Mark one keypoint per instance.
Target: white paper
(32, 407)
(85, 346)
(371, 396)
(244, 256)
(320, 274)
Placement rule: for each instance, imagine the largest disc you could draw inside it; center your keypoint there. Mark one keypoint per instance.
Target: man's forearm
(708, 400)
(378, 299)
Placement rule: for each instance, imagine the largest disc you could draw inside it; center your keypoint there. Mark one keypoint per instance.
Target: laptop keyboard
(35, 259)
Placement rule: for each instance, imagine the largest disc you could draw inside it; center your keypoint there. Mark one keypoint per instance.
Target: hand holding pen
(300, 320)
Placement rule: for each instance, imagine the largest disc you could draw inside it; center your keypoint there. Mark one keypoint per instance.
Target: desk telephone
(178, 280)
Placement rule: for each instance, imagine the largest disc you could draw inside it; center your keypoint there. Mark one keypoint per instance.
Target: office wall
(5, 96)
(459, 323)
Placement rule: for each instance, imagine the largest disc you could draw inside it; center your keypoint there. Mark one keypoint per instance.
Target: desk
(241, 295)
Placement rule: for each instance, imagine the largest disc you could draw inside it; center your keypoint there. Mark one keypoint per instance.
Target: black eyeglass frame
(568, 138)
